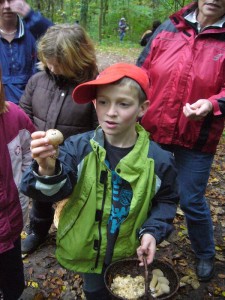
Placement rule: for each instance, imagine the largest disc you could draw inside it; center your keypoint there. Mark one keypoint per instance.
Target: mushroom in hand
(55, 137)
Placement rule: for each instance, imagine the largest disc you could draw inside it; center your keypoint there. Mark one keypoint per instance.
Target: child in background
(122, 185)
(15, 132)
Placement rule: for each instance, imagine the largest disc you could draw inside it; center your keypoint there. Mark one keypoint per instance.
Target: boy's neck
(122, 142)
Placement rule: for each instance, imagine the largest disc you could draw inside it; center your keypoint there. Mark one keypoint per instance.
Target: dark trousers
(41, 217)
(11, 272)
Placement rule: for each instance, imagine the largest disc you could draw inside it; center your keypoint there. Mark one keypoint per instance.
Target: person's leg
(11, 273)
(41, 218)
(94, 287)
(193, 173)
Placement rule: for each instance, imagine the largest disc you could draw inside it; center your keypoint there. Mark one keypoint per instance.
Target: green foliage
(139, 14)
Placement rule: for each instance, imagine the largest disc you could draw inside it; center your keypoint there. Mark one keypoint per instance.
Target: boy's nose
(112, 110)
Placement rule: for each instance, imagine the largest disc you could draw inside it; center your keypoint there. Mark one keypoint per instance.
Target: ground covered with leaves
(47, 280)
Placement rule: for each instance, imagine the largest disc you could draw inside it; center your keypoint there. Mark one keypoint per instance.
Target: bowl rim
(136, 260)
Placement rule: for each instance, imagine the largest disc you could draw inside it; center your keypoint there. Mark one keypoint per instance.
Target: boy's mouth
(110, 122)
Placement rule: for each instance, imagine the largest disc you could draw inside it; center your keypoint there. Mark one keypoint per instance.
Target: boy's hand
(43, 153)
(147, 248)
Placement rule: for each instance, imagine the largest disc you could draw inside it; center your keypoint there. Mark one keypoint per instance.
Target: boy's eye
(101, 101)
(124, 104)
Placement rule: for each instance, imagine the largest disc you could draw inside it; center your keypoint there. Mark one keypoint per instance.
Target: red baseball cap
(86, 92)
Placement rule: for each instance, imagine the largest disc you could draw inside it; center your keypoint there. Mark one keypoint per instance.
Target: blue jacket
(18, 59)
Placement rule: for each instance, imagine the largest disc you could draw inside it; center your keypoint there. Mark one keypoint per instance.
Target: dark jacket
(50, 105)
(185, 66)
(18, 59)
(15, 157)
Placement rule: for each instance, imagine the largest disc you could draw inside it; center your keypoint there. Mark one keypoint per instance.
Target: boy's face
(118, 108)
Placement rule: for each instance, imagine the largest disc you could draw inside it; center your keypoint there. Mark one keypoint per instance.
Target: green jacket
(78, 229)
(83, 174)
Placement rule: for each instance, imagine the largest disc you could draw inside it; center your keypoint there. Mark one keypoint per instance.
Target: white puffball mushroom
(54, 136)
(163, 289)
(153, 282)
(155, 274)
(158, 272)
(161, 280)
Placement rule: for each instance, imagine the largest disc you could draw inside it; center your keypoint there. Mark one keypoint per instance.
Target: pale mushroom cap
(54, 136)
(163, 280)
(158, 272)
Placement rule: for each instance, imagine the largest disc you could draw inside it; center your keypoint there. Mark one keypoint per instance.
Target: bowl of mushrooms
(125, 280)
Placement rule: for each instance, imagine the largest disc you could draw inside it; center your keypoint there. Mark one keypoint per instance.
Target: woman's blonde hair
(72, 49)
(3, 103)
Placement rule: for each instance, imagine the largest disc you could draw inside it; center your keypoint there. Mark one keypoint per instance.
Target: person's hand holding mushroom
(44, 149)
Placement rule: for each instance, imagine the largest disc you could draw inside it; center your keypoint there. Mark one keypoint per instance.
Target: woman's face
(210, 11)
(54, 66)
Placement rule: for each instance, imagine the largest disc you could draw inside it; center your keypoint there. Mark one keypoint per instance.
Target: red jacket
(16, 128)
(183, 67)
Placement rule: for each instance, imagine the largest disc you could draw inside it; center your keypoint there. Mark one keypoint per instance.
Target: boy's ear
(143, 108)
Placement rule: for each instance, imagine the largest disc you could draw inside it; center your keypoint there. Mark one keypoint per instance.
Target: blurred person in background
(148, 33)
(20, 27)
(122, 28)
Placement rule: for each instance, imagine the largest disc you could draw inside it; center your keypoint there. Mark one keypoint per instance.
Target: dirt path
(46, 279)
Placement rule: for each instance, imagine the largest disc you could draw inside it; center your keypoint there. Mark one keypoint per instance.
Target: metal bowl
(131, 267)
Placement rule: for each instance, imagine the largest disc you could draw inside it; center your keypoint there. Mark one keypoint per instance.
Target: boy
(121, 185)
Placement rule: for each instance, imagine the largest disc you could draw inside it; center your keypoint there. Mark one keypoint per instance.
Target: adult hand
(147, 248)
(198, 110)
(20, 7)
(43, 153)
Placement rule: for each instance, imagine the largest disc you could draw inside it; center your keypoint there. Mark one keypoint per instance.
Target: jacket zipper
(103, 179)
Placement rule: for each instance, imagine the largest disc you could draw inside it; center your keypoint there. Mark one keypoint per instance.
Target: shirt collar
(192, 18)
(21, 27)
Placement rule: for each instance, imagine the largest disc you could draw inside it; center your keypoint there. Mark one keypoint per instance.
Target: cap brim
(86, 92)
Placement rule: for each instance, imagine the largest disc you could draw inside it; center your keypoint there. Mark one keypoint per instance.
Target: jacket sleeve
(164, 203)
(25, 143)
(36, 23)
(26, 99)
(52, 188)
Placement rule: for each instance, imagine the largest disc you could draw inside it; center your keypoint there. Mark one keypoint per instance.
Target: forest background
(100, 17)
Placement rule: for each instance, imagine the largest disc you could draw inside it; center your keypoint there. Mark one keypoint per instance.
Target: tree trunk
(84, 13)
(100, 20)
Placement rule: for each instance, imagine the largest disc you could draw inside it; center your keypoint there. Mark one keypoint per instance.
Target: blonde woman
(15, 136)
(67, 58)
